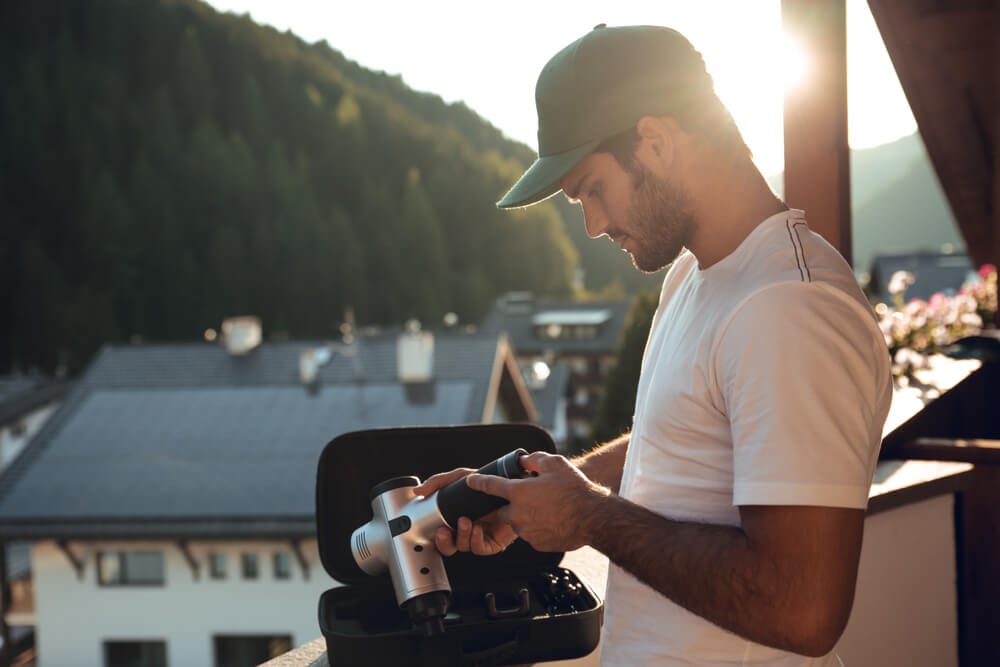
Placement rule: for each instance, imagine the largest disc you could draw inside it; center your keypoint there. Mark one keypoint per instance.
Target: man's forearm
(713, 571)
(604, 465)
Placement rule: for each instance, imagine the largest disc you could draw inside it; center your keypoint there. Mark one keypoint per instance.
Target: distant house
(932, 271)
(169, 501)
(580, 336)
(26, 403)
(549, 388)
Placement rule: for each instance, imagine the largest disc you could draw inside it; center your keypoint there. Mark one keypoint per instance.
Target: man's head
(624, 117)
(601, 85)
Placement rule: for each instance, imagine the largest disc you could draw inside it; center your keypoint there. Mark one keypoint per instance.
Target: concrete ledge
(312, 654)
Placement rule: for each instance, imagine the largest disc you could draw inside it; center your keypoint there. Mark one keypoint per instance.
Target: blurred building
(26, 403)
(169, 501)
(932, 272)
(581, 337)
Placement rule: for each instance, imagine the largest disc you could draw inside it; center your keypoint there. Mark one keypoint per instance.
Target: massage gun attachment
(400, 537)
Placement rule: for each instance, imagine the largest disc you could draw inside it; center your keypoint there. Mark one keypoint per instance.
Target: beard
(660, 220)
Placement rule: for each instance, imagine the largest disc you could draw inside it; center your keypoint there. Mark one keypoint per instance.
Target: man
(732, 513)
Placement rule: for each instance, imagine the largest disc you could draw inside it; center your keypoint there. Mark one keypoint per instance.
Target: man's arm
(784, 578)
(605, 464)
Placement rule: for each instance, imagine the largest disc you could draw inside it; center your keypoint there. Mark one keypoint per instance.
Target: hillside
(165, 166)
(898, 205)
(896, 201)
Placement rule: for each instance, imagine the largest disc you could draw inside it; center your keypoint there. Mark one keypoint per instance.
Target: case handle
(524, 606)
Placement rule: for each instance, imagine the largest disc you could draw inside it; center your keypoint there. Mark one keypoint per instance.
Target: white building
(142, 602)
(170, 500)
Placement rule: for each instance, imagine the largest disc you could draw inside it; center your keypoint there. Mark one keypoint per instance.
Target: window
(150, 653)
(217, 565)
(236, 651)
(130, 568)
(282, 565)
(249, 566)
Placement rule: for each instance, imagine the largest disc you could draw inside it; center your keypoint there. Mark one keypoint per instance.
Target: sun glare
(793, 62)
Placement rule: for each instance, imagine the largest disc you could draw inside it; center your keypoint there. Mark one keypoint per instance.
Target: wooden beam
(945, 55)
(71, 557)
(185, 549)
(301, 557)
(817, 163)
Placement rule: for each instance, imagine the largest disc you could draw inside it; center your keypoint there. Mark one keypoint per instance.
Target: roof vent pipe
(241, 334)
(415, 354)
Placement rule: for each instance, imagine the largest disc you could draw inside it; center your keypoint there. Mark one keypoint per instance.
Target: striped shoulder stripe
(800, 254)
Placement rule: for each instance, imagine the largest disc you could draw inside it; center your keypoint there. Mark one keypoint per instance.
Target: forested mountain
(897, 203)
(163, 166)
(903, 208)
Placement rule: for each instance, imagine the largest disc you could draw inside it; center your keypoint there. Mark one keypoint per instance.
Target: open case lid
(352, 463)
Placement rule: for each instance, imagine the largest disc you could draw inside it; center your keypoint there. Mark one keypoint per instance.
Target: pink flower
(937, 302)
(899, 281)
(985, 270)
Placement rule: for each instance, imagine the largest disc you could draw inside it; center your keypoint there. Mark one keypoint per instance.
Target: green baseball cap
(598, 86)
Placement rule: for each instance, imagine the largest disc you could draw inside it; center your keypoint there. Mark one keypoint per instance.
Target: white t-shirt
(765, 381)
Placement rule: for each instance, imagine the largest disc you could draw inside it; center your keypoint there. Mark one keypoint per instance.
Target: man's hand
(487, 536)
(549, 511)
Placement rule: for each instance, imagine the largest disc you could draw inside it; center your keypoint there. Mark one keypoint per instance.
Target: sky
(488, 55)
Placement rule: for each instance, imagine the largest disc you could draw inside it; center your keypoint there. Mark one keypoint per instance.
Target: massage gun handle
(457, 499)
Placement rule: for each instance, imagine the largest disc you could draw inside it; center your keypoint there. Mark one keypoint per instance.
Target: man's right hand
(485, 537)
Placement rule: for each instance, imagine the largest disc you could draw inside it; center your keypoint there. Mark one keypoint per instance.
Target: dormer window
(569, 324)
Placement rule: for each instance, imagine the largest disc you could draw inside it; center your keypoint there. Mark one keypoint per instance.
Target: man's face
(649, 217)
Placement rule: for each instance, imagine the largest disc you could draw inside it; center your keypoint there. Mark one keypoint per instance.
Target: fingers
(474, 537)
(445, 542)
(439, 481)
(489, 540)
(478, 541)
(541, 461)
(463, 534)
(491, 484)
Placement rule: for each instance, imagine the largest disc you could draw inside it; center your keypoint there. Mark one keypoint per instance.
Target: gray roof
(185, 439)
(516, 314)
(20, 398)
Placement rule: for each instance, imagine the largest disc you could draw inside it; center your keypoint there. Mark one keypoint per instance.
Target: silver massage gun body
(400, 537)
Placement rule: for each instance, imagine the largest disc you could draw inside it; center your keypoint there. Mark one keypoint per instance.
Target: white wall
(905, 608)
(76, 616)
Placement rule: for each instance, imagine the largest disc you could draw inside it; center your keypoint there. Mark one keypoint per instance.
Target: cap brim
(541, 180)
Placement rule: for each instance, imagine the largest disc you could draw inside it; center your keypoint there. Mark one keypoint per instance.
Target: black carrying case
(360, 619)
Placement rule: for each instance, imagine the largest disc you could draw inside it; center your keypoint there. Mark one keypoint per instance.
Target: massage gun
(400, 537)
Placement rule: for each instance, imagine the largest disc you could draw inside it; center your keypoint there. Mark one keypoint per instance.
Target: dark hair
(708, 119)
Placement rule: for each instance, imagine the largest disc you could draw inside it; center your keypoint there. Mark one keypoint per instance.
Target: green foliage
(614, 416)
(165, 166)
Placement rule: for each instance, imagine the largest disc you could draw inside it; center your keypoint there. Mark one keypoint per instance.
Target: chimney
(241, 334)
(415, 354)
(309, 362)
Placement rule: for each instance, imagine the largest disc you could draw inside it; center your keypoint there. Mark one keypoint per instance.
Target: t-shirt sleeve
(805, 381)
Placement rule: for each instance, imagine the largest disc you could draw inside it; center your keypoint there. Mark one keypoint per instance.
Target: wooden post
(817, 166)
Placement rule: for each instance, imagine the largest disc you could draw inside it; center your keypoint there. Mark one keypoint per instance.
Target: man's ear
(656, 141)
